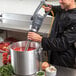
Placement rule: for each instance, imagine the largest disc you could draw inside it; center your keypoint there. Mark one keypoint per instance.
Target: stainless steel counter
(21, 23)
(61, 71)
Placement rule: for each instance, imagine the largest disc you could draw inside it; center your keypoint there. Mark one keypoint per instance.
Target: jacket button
(72, 28)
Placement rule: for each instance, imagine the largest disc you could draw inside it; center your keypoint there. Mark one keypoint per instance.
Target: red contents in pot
(23, 49)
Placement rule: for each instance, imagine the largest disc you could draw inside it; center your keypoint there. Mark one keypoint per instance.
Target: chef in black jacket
(60, 43)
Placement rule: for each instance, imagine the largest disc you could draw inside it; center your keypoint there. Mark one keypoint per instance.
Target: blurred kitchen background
(15, 19)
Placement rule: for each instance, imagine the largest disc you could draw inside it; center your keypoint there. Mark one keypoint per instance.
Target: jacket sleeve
(60, 43)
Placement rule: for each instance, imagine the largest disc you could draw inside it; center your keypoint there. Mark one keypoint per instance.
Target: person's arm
(60, 43)
(54, 44)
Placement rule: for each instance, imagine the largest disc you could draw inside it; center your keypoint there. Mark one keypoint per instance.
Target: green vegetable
(40, 73)
(6, 70)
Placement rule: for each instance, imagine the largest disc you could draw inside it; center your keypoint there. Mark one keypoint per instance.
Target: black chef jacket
(60, 44)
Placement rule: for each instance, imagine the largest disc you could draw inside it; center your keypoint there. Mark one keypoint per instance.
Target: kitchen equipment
(51, 71)
(37, 19)
(25, 62)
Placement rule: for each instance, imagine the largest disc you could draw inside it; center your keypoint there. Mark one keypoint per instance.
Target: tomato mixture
(23, 49)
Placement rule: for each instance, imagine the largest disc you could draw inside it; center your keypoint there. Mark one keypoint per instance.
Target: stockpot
(25, 62)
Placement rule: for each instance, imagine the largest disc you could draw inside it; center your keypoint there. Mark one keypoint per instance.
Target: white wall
(19, 6)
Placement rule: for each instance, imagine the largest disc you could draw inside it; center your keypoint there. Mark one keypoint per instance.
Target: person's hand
(47, 8)
(34, 36)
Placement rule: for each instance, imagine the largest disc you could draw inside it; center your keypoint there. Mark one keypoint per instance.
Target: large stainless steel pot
(24, 62)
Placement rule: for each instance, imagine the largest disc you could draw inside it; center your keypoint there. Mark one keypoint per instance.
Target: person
(60, 43)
